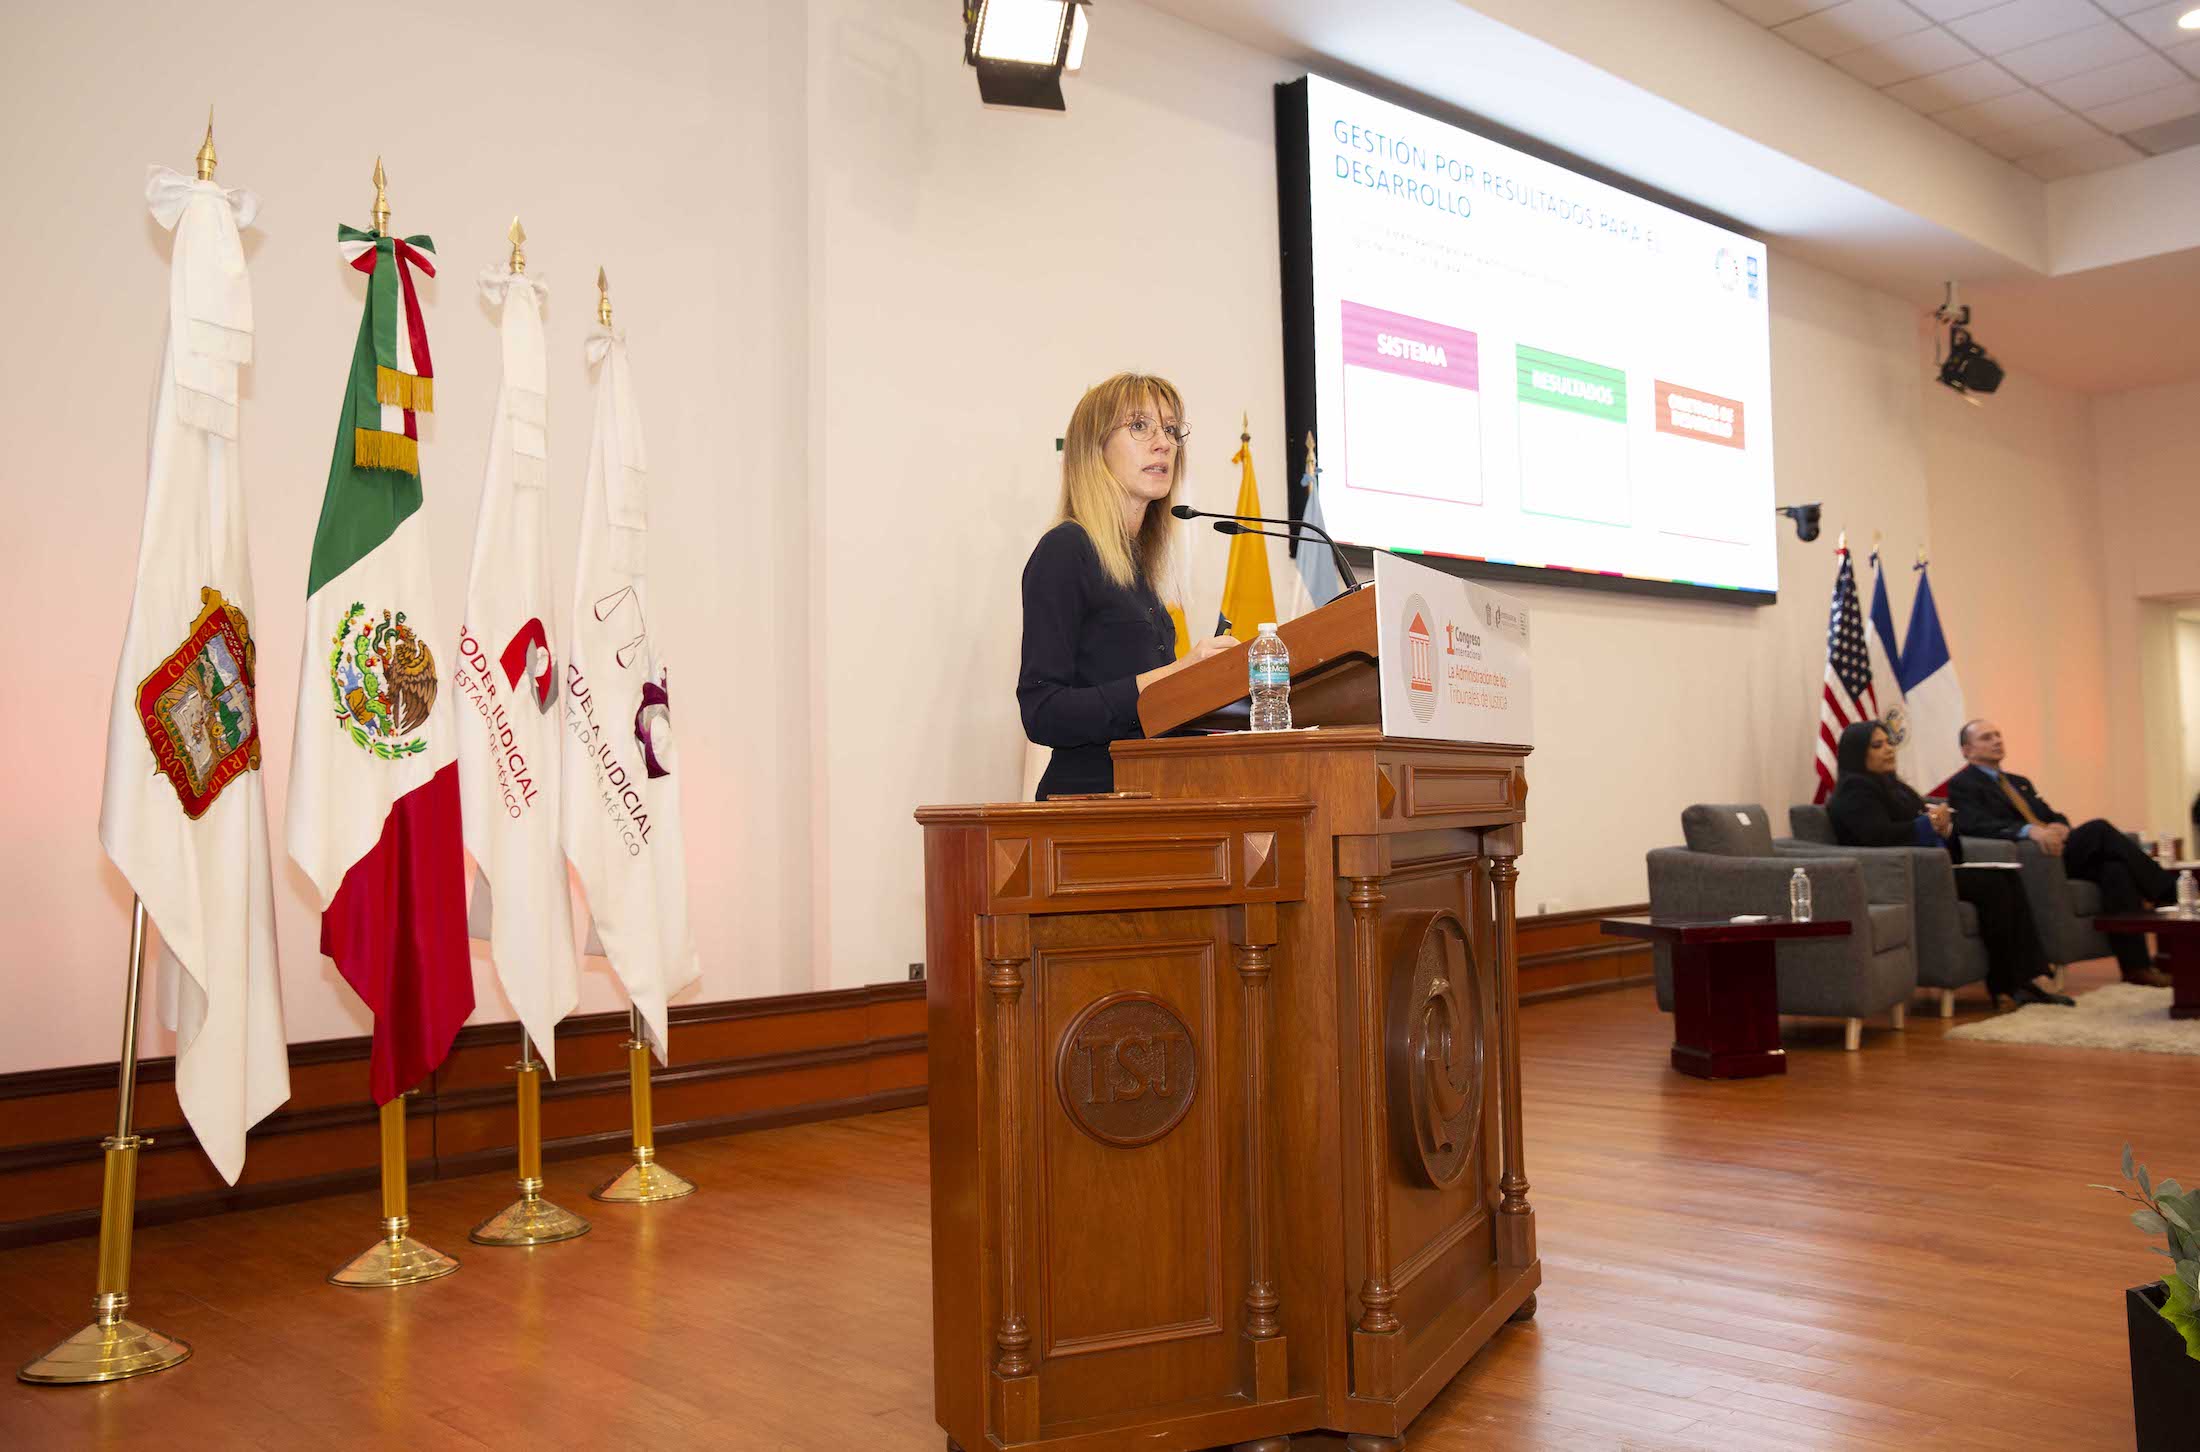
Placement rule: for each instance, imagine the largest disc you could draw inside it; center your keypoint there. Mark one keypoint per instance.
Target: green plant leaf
(2174, 1216)
(2145, 1188)
(2167, 1189)
(2127, 1161)
(2150, 1222)
(2178, 1308)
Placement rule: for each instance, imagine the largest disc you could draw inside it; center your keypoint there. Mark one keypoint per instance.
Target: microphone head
(1185, 511)
(1228, 526)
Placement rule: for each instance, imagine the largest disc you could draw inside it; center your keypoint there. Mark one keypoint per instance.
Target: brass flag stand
(645, 1180)
(529, 1220)
(114, 1346)
(396, 1259)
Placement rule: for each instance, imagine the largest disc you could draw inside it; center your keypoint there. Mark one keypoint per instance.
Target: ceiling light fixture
(1021, 49)
(1966, 367)
(2190, 20)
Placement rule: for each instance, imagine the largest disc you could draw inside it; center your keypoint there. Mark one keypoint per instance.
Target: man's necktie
(2016, 799)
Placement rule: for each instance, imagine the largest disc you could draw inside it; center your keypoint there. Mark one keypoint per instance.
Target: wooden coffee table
(1726, 1014)
(2180, 939)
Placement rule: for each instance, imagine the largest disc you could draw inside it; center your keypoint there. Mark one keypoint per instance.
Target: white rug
(2124, 1016)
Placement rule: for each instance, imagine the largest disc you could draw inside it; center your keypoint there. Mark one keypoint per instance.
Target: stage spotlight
(1805, 517)
(1021, 49)
(1965, 367)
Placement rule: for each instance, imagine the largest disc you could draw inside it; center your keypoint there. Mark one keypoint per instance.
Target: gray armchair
(1943, 928)
(2063, 908)
(1731, 865)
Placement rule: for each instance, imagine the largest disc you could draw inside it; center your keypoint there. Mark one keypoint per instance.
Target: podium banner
(1454, 657)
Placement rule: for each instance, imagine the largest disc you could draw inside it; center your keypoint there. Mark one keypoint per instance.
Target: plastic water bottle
(1799, 896)
(2188, 895)
(1268, 672)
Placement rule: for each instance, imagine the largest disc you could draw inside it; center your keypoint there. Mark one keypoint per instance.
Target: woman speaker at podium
(1095, 630)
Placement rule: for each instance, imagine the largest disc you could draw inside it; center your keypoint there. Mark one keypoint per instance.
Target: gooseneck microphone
(1344, 567)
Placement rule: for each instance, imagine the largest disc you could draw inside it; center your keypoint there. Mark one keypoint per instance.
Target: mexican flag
(374, 810)
(184, 809)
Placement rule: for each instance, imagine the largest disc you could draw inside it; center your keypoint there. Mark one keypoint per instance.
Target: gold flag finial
(1245, 428)
(518, 234)
(603, 298)
(1310, 455)
(206, 157)
(381, 201)
(1921, 557)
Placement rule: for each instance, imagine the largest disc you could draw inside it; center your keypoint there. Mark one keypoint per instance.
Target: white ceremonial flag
(507, 678)
(622, 784)
(183, 812)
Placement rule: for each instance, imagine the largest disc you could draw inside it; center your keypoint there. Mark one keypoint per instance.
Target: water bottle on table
(1799, 895)
(2188, 895)
(1268, 673)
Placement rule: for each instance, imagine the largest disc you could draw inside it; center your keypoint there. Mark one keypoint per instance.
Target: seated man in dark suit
(1990, 802)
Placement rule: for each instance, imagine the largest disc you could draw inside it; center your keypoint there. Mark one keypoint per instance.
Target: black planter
(2165, 1380)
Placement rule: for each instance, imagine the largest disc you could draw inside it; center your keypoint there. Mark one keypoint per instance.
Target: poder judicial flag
(184, 810)
(374, 812)
(507, 678)
(622, 782)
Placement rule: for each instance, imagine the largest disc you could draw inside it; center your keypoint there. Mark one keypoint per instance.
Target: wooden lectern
(1225, 1077)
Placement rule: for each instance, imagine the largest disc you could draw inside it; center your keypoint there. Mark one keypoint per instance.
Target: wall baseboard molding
(743, 1064)
(1564, 954)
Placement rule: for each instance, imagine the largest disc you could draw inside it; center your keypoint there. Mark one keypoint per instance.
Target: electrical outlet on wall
(916, 972)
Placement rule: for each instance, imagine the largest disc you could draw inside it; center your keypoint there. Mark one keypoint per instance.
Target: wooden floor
(1889, 1249)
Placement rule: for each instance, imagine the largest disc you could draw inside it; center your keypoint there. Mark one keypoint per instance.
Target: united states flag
(1848, 696)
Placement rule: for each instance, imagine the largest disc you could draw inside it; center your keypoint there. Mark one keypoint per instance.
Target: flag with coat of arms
(183, 811)
(374, 817)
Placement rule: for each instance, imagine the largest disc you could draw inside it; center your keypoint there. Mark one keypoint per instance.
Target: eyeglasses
(1141, 430)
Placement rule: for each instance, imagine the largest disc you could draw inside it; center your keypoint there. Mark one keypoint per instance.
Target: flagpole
(645, 1180)
(396, 1259)
(113, 1346)
(529, 1220)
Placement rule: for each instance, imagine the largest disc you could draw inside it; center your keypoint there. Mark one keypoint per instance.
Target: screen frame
(1295, 236)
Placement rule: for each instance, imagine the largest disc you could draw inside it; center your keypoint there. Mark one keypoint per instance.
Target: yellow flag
(1247, 597)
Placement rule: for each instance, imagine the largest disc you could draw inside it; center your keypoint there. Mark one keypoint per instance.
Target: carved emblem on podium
(1126, 1069)
(1435, 1045)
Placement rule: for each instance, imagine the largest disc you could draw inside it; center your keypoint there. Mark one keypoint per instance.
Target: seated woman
(1872, 807)
(1095, 632)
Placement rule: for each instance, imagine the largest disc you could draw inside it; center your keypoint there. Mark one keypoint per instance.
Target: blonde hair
(1093, 497)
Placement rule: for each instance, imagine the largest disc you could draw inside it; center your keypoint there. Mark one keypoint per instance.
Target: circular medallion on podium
(1126, 1069)
(1436, 1044)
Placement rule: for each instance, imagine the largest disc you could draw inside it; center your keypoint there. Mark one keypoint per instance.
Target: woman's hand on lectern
(1205, 648)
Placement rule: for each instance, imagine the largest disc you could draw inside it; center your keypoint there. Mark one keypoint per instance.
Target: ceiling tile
(1945, 10)
(2126, 7)
(1851, 25)
(2020, 108)
(1779, 12)
(2168, 136)
(2157, 24)
(2018, 142)
(2099, 154)
(2149, 108)
(2066, 55)
(2021, 22)
(1978, 81)
(2148, 72)
(2186, 55)
(1918, 54)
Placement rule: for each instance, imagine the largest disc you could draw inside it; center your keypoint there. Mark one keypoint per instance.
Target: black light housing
(1021, 49)
(1966, 367)
(1805, 517)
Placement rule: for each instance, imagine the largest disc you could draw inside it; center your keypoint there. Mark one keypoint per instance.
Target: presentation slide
(1513, 363)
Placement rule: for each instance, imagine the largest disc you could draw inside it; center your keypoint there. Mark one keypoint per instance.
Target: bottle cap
(1268, 627)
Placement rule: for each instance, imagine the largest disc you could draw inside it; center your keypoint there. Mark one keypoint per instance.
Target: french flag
(1931, 692)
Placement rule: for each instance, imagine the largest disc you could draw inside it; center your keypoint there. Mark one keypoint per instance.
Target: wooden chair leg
(1899, 1016)
(1947, 1003)
(1853, 1038)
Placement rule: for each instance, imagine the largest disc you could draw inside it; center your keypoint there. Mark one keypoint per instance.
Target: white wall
(861, 308)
